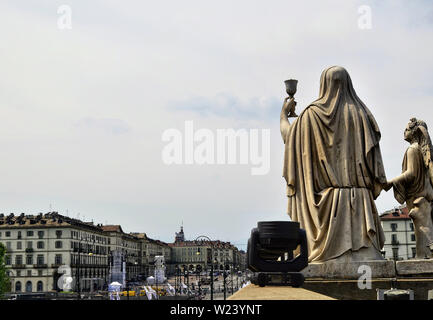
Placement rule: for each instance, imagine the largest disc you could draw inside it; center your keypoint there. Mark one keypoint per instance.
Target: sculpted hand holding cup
(289, 105)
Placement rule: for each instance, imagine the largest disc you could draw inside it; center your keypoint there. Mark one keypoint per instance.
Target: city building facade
(150, 248)
(198, 255)
(400, 242)
(41, 248)
(127, 248)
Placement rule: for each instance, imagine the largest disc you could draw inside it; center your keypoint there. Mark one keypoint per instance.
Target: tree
(4, 279)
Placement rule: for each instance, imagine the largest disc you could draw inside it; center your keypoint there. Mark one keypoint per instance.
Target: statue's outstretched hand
(289, 105)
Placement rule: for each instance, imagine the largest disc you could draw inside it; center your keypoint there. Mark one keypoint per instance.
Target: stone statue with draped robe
(334, 171)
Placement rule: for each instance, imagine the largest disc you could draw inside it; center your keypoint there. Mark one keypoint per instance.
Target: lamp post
(176, 276)
(231, 273)
(224, 281)
(186, 279)
(225, 275)
(79, 265)
(78, 269)
(198, 268)
(211, 253)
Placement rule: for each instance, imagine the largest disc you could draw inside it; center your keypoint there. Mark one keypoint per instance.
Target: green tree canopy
(4, 279)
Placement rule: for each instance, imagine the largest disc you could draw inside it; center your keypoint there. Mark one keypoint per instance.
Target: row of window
(30, 233)
(394, 239)
(40, 260)
(88, 260)
(29, 273)
(29, 286)
(29, 245)
(395, 225)
(89, 237)
(89, 248)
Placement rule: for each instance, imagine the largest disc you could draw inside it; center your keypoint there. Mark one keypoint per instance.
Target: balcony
(395, 242)
(18, 266)
(29, 250)
(40, 266)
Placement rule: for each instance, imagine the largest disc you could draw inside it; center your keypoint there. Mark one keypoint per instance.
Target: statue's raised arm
(288, 107)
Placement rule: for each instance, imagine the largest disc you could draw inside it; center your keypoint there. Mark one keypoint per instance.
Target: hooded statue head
(336, 92)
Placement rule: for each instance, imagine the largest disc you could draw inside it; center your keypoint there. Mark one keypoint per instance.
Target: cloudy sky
(83, 110)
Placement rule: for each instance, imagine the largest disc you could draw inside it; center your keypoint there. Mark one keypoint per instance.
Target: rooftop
(401, 213)
(50, 219)
(193, 243)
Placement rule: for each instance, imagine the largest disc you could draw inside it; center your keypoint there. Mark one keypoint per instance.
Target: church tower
(180, 236)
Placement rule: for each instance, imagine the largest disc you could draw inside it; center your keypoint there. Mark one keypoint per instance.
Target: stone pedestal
(415, 267)
(350, 270)
(253, 292)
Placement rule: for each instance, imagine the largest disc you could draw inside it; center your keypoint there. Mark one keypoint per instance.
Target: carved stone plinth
(415, 267)
(350, 270)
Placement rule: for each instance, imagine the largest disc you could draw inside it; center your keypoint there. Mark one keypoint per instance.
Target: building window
(412, 237)
(18, 286)
(411, 226)
(19, 259)
(8, 260)
(58, 259)
(18, 273)
(29, 245)
(40, 259)
(413, 252)
(29, 273)
(58, 244)
(29, 233)
(39, 273)
(395, 253)
(29, 259)
(29, 286)
(8, 233)
(394, 239)
(40, 286)
(393, 226)
(40, 244)
(19, 234)
(8, 245)
(19, 245)
(59, 234)
(40, 234)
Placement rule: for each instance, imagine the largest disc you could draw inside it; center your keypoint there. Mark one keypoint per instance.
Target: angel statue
(414, 185)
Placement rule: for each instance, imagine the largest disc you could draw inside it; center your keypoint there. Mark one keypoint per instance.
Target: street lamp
(198, 271)
(211, 253)
(79, 264)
